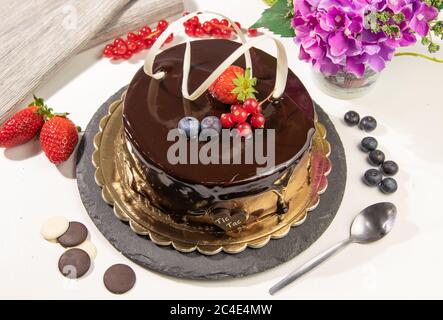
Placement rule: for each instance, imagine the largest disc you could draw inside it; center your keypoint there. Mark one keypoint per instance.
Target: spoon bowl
(373, 223)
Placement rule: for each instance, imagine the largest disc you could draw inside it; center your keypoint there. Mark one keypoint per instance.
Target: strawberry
(234, 85)
(24, 125)
(58, 138)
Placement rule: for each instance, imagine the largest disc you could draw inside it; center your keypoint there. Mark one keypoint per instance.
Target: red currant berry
(199, 32)
(140, 45)
(117, 41)
(226, 120)
(226, 34)
(224, 22)
(131, 45)
(194, 21)
(258, 120)
(252, 32)
(238, 24)
(190, 31)
(251, 105)
(154, 38)
(162, 24)
(108, 53)
(148, 43)
(144, 32)
(121, 48)
(207, 27)
(128, 55)
(216, 32)
(132, 36)
(240, 115)
(115, 54)
(235, 107)
(170, 38)
(215, 21)
(244, 130)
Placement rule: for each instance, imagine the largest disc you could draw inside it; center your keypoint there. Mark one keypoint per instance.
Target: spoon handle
(310, 265)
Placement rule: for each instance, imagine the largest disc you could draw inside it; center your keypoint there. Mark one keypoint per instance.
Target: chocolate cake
(217, 197)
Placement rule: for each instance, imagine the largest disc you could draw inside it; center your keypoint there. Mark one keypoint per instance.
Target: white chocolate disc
(54, 227)
(89, 247)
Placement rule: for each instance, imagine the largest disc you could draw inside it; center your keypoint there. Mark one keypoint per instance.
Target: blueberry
(211, 123)
(373, 177)
(388, 185)
(389, 168)
(352, 118)
(368, 124)
(190, 126)
(376, 157)
(369, 144)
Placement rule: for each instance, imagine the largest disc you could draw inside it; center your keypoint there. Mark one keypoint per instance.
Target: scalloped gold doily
(130, 209)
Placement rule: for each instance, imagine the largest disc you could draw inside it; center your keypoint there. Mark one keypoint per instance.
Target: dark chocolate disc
(119, 278)
(75, 235)
(74, 263)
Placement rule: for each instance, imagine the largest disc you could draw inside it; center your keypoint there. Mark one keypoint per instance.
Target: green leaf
(278, 19)
(270, 2)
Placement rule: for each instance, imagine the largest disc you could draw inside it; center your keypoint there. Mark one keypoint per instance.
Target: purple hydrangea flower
(336, 35)
(420, 21)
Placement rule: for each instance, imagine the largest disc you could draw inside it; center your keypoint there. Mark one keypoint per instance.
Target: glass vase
(345, 85)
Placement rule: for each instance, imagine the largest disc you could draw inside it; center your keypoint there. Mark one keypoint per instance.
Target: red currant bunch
(216, 28)
(135, 42)
(244, 116)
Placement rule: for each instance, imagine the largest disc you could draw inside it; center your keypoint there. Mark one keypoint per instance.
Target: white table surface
(408, 263)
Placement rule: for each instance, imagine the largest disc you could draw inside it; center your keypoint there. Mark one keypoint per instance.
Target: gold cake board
(146, 220)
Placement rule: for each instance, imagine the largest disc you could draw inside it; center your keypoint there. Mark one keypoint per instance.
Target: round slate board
(195, 265)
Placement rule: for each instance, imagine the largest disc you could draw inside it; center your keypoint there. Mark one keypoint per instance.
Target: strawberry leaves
(244, 86)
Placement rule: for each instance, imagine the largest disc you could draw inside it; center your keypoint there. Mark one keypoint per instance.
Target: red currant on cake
(227, 121)
(244, 130)
(239, 115)
(251, 105)
(236, 107)
(258, 120)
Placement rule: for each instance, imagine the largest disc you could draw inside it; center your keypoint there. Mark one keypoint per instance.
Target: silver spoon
(372, 224)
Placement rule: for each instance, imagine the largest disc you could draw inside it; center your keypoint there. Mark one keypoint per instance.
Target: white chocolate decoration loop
(174, 27)
(281, 74)
(282, 60)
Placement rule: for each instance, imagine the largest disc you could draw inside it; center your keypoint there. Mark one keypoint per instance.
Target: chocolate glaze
(153, 107)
